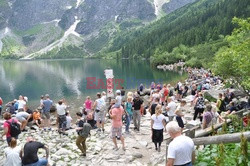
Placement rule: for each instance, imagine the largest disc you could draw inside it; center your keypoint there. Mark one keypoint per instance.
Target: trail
(57, 43)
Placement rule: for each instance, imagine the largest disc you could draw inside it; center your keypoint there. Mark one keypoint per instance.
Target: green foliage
(32, 31)
(226, 154)
(201, 22)
(233, 61)
(64, 52)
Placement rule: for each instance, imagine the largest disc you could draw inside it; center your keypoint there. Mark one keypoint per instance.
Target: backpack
(15, 129)
(171, 93)
(200, 103)
(86, 130)
(222, 106)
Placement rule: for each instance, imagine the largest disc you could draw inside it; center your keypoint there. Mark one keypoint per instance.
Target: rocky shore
(139, 147)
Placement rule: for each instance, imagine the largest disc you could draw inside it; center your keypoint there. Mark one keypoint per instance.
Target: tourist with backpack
(199, 106)
(137, 102)
(11, 127)
(83, 131)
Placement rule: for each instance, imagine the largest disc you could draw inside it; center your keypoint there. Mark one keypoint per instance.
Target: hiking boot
(103, 130)
(135, 128)
(83, 154)
(98, 130)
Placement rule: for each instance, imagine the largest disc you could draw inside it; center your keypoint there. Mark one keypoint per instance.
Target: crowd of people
(167, 106)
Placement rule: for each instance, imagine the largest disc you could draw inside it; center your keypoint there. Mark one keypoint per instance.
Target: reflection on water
(67, 78)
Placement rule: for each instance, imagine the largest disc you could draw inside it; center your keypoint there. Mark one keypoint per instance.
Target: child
(179, 114)
(37, 118)
(69, 119)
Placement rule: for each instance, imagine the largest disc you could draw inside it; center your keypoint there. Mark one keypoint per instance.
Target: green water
(67, 78)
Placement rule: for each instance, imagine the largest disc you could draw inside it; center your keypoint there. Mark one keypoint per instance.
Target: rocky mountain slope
(66, 28)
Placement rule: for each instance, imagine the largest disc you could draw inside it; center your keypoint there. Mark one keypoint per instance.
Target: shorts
(20, 118)
(100, 116)
(116, 131)
(46, 115)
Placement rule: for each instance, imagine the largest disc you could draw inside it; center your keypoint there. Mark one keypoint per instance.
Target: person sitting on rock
(29, 153)
(37, 118)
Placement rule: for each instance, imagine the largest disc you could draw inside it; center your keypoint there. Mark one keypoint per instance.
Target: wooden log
(209, 130)
(225, 138)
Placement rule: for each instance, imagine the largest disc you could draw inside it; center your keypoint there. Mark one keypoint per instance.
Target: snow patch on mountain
(158, 6)
(57, 43)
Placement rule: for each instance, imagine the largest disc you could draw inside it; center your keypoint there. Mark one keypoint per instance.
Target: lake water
(68, 78)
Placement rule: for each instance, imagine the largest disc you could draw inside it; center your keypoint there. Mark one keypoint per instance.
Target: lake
(68, 78)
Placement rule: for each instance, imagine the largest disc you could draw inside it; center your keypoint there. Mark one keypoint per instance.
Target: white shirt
(118, 100)
(69, 119)
(60, 109)
(172, 108)
(12, 156)
(21, 104)
(158, 125)
(180, 149)
(104, 98)
(100, 104)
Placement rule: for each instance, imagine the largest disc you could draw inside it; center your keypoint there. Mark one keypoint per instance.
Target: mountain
(72, 28)
(202, 22)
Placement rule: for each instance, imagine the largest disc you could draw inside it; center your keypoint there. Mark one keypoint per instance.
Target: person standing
(153, 106)
(99, 107)
(129, 113)
(157, 125)
(171, 107)
(47, 104)
(61, 114)
(116, 130)
(199, 106)
(83, 131)
(21, 102)
(207, 117)
(181, 150)
(1, 105)
(137, 103)
(29, 153)
(12, 154)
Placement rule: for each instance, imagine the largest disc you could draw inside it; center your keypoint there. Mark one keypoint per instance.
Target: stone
(62, 151)
(137, 155)
(143, 143)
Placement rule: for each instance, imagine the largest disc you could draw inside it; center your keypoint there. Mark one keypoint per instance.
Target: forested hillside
(202, 24)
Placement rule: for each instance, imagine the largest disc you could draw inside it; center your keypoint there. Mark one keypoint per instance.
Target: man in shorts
(47, 104)
(99, 108)
(116, 131)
